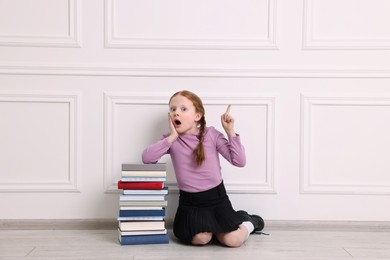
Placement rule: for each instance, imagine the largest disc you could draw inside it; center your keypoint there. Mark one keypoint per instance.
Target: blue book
(142, 213)
(144, 239)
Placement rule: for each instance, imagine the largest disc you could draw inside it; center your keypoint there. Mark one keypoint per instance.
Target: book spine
(144, 167)
(143, 179)
(142, 225)
(162, 203)
(141, 185)
(139, 233)
(138, 213)
(163, 191)
(144, 239)
(144, 173)
(142, 218)
(141, 197)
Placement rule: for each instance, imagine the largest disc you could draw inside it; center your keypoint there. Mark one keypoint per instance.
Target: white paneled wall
(45, 125)
(84, 86)
(346, 24)
(40, 23)
(219, 24)
(356, 163)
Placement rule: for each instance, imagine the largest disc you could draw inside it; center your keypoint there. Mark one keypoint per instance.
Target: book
(142, 204)
(141, 208)
(163, 191)
(141, 218)
(144, 173)
(162, 203)
(141, 197)
(142, 232)
(144, 239)
(141, 225)
(143, 179)
(139, 213)
(141, 185)
(144, 167)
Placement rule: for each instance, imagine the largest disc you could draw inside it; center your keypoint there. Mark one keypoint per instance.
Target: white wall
(84, 86)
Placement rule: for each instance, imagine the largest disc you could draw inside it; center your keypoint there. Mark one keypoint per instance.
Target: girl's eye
(172, 109)
(183, 109)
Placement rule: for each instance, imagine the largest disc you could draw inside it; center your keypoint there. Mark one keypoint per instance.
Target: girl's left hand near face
(174, 134)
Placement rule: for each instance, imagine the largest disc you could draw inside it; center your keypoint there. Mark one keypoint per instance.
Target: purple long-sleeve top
(191, 177)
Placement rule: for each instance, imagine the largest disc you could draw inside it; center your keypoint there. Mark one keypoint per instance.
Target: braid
(199, 151)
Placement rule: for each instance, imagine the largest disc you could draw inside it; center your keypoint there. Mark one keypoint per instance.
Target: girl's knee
(201, 239)
(230, 239)
(234, 242)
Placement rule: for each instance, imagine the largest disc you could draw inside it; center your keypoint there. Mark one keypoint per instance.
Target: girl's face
(183, 115)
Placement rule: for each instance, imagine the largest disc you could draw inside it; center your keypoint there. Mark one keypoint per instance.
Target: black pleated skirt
(206, 211)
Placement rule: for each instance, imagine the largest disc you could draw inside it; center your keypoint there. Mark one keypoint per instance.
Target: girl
(204, 207)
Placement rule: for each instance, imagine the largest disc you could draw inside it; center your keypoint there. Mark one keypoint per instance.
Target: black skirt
(206, 211)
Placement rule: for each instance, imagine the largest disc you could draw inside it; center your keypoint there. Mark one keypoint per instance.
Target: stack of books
(142, 204)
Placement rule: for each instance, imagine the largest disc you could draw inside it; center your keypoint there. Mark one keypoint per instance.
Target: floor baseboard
(286, 225)
(65, 224)
(309, 225)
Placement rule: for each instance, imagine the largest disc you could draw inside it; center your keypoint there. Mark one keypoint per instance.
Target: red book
(140, 185)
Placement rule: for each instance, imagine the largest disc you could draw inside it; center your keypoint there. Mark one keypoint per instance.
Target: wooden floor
(280, 244)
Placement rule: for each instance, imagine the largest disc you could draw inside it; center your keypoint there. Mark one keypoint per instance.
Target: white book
(140, 208)
(143, 179)
(161, 203)
(141, 225)
(146, 192)
(140, 233)
(141, 197)
(144, 173)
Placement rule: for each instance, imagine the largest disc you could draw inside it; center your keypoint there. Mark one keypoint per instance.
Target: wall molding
(307, 186)
(72, 39)
(311, 42)
(73, 100)
(114, 41)
(112, 99)
(192, 70)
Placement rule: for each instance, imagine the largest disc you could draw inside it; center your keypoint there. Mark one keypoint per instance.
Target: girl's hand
(228, 122)
(174, 134)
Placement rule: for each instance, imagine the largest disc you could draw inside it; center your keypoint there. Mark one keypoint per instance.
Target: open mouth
(177, 122)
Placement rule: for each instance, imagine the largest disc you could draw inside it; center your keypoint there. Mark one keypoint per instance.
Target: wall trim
(73, 100)
(311, 43)
(194, 70)
(306, 184)
(72, 39)
(115, 41)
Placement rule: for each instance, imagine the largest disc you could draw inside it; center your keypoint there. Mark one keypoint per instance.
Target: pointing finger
(228, 109)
